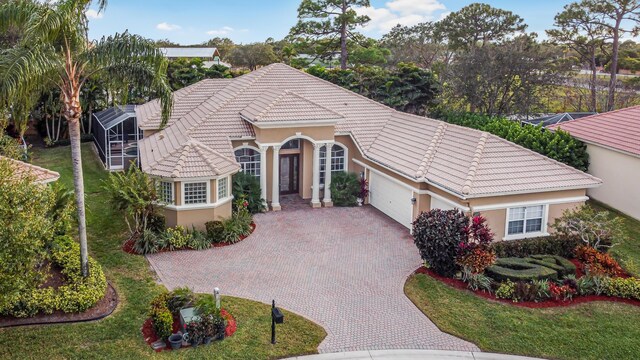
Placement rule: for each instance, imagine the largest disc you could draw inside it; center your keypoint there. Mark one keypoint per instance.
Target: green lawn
(600, 330)
(118, 336)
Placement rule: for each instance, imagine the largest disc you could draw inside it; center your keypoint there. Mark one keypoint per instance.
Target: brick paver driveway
(343, 268)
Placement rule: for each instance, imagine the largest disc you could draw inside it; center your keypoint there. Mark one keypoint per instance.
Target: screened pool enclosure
(116, 135)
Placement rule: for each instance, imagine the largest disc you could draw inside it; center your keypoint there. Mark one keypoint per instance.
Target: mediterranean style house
(293, 131)
(613, 144)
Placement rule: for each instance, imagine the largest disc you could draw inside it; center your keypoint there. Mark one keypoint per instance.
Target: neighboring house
(22, 169)
(293, 131)
(209, 55)
(613, 144)
(115, 135)
(554, 119)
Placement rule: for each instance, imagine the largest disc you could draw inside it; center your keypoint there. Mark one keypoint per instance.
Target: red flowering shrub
(476, 254)
(596, 262)
(561, 292)
(475, 257)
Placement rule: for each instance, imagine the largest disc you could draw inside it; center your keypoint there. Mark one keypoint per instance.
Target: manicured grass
(626, 252)
(118, 336)
(599, 330)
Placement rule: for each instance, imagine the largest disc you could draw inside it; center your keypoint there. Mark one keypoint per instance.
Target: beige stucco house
(293, 130)
(613, 144)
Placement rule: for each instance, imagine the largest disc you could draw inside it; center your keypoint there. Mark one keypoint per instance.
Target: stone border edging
(412, 355)
(110, 295)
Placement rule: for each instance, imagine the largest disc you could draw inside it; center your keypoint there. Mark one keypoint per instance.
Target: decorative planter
(176, 341)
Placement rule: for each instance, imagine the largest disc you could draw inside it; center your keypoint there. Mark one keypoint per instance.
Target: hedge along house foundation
(293, 131)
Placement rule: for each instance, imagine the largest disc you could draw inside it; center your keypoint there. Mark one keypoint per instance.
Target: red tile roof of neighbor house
(464, 161)
(22, 169)
(619, 129)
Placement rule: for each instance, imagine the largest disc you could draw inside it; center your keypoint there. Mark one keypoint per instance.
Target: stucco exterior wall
(620, 174)
(196, 217)
(269, 136)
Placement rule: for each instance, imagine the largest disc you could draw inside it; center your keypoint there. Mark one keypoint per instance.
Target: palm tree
(54, 49)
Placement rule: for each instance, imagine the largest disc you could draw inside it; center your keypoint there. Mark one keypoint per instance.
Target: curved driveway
(343, 268)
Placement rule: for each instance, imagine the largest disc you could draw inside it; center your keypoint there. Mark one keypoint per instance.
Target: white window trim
(201, 206)
(545, 222)
(208, 195)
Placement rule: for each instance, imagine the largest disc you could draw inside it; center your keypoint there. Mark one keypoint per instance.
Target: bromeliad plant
(55, 51)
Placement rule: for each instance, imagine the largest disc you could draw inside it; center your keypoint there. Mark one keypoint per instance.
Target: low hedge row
(628, 288)
(551, 245)
(76, 295)
(518, 269)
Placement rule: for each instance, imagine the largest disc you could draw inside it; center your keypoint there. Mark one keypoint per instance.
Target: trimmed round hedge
(536, 267)
(76, 295)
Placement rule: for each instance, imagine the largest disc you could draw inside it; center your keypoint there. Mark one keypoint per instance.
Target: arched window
(249, 161)
(338, 160)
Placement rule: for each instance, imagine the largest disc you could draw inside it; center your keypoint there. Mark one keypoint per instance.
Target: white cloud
(403, 12)
(164, 26)
(93, 14)
(225, 30)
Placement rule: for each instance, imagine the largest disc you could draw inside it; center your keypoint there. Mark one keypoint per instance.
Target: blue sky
(195, 21)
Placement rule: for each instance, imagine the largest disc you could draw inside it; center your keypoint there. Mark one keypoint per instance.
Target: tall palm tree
(54, 49)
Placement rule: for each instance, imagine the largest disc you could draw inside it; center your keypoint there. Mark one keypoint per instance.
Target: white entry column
(263, 174)
(275, 189)
(327, 176)
(315, 196)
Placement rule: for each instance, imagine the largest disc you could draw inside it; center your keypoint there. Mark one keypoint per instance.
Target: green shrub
(215, 231)
(238, 225)
(525, 291)
(156, 222)
(345, 188)
(476, 281)
(247, 186)
(438, 235)
(180, 298)
(628, 288)
(563, 266)
(198, 240)
(552, 245)
(506, 290)
(162, 321)
(206, 305)
(542, 287)
(149, 243)
(76, 295)
(177, 238)
(518, 269)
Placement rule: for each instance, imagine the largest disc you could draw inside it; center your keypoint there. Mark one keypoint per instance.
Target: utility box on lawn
(187, 315)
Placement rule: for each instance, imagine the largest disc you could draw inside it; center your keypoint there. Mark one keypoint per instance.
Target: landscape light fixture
(277, 317)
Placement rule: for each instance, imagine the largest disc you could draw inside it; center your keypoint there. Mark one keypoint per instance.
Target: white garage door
(391, 198)
(439, 204)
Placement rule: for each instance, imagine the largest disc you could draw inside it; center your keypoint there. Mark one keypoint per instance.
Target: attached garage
(391, 198)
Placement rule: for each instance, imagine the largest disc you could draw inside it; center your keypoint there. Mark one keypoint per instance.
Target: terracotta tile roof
(276, 105)
(193, 160)
(467, 162)
(23, 169)
(619, 129)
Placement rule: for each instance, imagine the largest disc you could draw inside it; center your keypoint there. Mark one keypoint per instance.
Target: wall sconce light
(361, 174)
(413, 201)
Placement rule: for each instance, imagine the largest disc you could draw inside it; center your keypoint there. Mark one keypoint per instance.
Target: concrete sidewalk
(411, 355)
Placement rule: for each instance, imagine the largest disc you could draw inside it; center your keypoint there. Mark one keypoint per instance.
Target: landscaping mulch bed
(128, 245)
(102, 309)
(459, 284)
(150, 336)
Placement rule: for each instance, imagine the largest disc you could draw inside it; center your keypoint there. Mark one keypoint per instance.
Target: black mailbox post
(277, 317)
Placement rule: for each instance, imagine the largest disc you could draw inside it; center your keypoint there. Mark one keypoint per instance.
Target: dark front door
(289, 173)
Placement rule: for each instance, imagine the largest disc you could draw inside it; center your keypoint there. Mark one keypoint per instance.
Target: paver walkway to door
(343, 268)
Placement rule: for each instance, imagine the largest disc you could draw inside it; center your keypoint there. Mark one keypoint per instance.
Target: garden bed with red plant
(459, 284)
(128, 245)
(150, 336)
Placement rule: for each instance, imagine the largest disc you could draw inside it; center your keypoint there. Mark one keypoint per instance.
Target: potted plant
(364, 190)
(176, 341)
(196, 333)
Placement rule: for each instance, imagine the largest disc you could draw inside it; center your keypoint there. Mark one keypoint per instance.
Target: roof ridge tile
(431, 150)
(477, 156)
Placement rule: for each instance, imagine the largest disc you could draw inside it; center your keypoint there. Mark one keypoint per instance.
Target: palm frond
(22, 69)
(136, 61)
